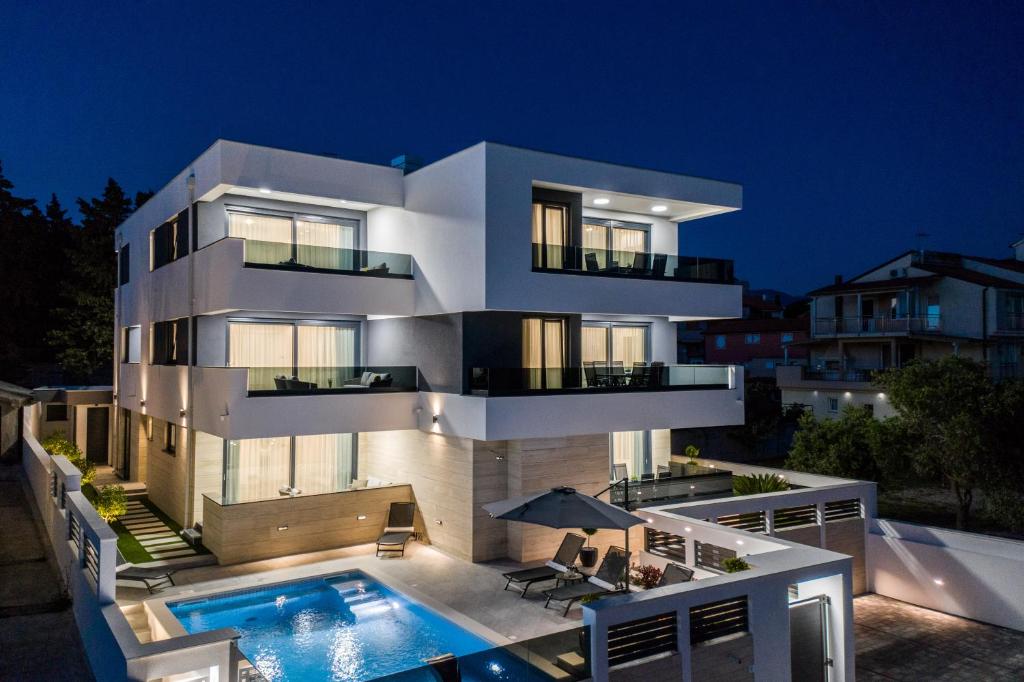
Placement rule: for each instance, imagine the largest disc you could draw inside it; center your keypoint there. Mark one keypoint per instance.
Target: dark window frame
(169, 342)
(170, 438)
(124, 265)
(56, 407)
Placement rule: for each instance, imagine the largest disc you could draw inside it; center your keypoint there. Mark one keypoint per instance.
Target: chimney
(838, 279)
(406, 163)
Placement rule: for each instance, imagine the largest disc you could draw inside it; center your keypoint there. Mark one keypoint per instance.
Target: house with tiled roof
(920, 304)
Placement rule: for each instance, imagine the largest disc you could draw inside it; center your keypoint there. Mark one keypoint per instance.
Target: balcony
(877, 326)
(577, 260)
(279, 381)
(794, 376)
(595, 379)
(328, 260)
(232, 275)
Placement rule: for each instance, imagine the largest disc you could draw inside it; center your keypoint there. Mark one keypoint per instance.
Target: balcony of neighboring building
(877, 325)
(824, 377)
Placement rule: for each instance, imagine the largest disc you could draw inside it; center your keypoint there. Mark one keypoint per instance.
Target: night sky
(851, 127)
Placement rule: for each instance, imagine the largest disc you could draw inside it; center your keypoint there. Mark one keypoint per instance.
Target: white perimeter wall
(981, 577)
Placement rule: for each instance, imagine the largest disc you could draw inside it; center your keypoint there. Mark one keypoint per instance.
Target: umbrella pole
(626, 577)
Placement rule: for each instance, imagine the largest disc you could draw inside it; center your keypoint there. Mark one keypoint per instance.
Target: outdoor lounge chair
(564, 557)
(605, 581)
(674, 574)
(152, 578)
(400, 528)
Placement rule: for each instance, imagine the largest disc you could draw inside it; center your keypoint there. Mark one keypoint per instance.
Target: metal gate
(810, 658)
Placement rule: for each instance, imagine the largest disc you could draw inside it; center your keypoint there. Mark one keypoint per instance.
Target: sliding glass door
(544, 351)
(323, 243)
(632, 448)
(550, 234)
(613, 243)
(258, 468)
(616, 342)
(322, 355)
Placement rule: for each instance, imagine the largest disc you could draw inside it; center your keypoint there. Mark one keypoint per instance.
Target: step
(363, 598)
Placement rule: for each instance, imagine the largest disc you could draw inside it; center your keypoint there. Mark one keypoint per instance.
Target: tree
(83, 335)
(847, 447)
(948, 410)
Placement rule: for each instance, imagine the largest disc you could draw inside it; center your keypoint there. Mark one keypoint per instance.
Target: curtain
(533, 352)
(324, 463)
(268, 238)
(256, 469)
(325, 245)
(626, 242)
(266, 349)
(630, 448)
(550, 224)
(554, 352)
(595, 241)
(629, 344)
(327, 354)
(595, 344)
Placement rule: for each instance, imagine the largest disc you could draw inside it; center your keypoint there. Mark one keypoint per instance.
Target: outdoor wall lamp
(182, 412)
(142, 403)
(435, 418)
(361, 517)
(284, 527)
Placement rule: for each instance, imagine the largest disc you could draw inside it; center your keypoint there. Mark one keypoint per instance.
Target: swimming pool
(343, 627)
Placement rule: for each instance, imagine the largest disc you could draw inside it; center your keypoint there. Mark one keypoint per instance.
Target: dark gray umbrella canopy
(562, 508)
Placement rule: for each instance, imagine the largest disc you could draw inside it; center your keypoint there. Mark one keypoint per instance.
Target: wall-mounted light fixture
(142, 403)
(438, 521)
(182, 412)
(687, 529)
(435, 418)
(500, 458)
(939, 581)
(284, 527)
(361, 517)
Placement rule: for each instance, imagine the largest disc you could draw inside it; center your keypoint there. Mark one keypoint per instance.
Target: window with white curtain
(323, 354)
(258, 468)
(550, 233)
(315, 242)
(544, 351)
(615, 240)
(632, 448)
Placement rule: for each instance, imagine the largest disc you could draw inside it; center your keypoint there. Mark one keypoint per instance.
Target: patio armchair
(152, 578)
(564, 557)
(619, 471)
(606, 581)
(295, 384)
(675, 574)
(280, 382)
(401, 520)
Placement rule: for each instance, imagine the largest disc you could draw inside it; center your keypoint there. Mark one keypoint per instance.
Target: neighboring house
(918, 305)
(757, 344)
(320, 337)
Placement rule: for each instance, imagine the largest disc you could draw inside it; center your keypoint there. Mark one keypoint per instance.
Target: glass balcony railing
(596, 378)
(314, 380)
(631, 264)
(286, 256)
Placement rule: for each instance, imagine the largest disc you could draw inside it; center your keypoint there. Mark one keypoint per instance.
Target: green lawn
(130, 548)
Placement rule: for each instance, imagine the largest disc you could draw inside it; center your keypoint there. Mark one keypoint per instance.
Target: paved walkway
(38, 636)
(156, 536)
(899, 641)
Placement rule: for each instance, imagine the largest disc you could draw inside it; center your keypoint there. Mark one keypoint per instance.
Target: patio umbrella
(564, 507)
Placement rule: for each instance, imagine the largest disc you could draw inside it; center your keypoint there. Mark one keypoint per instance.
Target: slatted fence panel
(718, 619)
(665, 544)
(642, 638)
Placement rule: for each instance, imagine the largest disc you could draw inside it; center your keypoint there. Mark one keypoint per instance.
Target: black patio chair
(606, 581)
(564, 557)
(401, 522)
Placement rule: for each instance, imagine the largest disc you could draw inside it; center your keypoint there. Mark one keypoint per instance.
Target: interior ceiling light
(659, 208)
(601, 201)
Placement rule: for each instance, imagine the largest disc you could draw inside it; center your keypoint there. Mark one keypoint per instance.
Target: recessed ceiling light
(264, 190)
(659, 208)
(601, 201)
(342, 201)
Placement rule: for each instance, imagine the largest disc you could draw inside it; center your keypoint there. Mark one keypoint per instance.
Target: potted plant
(643, 576)
(735, 564)
(693, 452)
(588, 555)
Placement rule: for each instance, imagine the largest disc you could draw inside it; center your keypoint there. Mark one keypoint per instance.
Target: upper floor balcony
(630, 264)
(597, 378)
(877, 326)
(244, 274)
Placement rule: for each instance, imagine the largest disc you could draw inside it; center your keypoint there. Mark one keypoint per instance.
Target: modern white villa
(306, 344)
(921, 304)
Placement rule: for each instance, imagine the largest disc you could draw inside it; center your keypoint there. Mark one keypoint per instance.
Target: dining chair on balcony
(617, 375)
(640, 376)
(641, 264)
(590, 259)
(660, 263)
(590, 373)
(619, 471)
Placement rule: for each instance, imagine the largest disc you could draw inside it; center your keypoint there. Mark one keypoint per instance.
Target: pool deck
(456, 588)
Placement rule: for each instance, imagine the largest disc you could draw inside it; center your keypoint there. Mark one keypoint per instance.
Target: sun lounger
(401, 518)
(152, 578)
(606, 581)
(564, 557)
(674, 574)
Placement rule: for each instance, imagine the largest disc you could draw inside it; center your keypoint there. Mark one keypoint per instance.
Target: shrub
(1006, 507)
(57, 444)
(735, 564)
(112, 503)
(693, 452)
(752, 484)
(646, 577)
(589, 532)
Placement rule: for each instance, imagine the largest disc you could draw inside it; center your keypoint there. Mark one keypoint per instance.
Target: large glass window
(131, 344)
(259, 468)
(632, 448)
(544, 351)
(613, 243)
(615, 342)
(322, 355)
(550, 234)
(310, 241)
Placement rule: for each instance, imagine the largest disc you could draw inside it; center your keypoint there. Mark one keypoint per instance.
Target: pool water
(344, 627)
